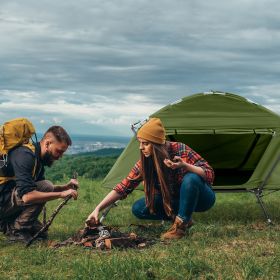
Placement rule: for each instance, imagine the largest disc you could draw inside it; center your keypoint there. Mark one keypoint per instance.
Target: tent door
(234, 157)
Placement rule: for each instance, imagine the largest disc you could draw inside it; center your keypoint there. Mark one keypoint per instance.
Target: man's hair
(59, 133)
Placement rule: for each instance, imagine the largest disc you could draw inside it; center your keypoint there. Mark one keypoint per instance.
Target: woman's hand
(176, 163)
(111, 197)
(92, 219)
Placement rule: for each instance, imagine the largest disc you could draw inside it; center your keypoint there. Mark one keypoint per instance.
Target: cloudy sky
(95, 67)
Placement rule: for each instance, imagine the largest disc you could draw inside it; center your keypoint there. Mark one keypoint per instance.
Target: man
(22, 198)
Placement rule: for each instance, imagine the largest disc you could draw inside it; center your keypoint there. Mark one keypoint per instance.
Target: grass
(231, 241)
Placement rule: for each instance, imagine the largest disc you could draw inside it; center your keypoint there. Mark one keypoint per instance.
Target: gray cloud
(90, 55)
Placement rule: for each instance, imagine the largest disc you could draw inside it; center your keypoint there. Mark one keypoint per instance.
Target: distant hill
(92, 165)
(103, 152)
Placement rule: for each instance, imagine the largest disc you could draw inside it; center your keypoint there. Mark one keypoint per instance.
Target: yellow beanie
(152, 131)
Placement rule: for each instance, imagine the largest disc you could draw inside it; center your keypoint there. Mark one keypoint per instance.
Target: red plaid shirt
(188, 155)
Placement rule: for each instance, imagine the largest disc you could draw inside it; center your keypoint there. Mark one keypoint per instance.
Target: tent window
(234, 157)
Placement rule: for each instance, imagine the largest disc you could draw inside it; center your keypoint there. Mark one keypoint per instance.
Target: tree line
(94, 165)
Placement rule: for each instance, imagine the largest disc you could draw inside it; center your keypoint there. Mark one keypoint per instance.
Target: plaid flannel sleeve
(128, 184)
(191, 157)
(208, 170)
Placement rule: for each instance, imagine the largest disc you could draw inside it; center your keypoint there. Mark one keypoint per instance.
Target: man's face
(54, 151)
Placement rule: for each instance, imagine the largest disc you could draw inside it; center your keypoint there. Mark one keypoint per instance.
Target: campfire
(105, 238)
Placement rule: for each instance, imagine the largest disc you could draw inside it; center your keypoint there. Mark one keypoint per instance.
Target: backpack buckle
(3, 161)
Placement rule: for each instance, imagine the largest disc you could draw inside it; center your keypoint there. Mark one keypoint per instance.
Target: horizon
(73, 135)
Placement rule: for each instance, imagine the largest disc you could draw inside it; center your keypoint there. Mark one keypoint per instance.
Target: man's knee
(45, 186)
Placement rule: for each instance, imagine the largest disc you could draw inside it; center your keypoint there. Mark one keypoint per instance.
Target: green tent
(239, 138)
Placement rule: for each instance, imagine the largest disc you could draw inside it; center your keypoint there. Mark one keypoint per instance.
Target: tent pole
(259, 195)
(259, 191)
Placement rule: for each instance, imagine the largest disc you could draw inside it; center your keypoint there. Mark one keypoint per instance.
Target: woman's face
(145, 147)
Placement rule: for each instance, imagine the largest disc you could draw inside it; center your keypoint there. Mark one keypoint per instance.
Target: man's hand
(92, 219)
(175, 164)
(71, 192)
(72, 184)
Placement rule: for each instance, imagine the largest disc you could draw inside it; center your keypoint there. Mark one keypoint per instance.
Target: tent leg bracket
(258, 193)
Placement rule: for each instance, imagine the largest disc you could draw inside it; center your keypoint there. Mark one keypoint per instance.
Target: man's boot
(22, 236)
(3, 226)
(178, 229)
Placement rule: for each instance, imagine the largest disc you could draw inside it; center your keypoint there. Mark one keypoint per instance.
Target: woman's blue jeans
(195, 196)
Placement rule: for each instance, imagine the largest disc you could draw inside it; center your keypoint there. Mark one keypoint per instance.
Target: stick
(49, 222)
(107, 210)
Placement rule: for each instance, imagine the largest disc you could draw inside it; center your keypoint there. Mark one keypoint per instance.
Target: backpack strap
(32, 148)
(4, 179)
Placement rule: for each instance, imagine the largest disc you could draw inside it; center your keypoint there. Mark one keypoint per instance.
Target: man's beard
(48, 159)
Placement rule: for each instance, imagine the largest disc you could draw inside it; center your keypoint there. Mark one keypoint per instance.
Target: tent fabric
(239, 138)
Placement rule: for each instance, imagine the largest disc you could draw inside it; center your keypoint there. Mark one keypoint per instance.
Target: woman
(177, 182)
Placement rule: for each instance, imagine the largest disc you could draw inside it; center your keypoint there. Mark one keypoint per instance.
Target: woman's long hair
(156, 172)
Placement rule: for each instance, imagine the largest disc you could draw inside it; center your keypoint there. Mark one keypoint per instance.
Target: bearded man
(23, 197)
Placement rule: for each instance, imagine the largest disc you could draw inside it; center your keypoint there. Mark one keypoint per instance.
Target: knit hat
(152, 131)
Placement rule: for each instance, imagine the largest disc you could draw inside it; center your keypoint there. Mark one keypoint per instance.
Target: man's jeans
(20, 216)
(195, 196)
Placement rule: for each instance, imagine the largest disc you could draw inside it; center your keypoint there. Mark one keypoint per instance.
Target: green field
(231, 241)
